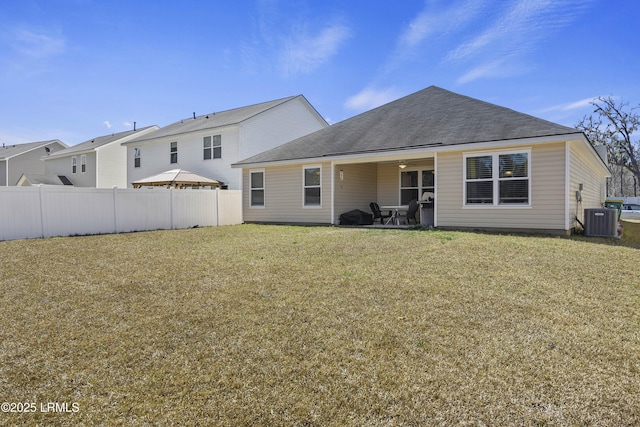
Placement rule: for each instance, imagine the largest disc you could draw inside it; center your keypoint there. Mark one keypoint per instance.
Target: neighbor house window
(83, 163)
(136, 157)
(312, 178)
(497, 179)
(414, 183)
(174, 152)
(257, 188)
(74, 164)
(212, 146)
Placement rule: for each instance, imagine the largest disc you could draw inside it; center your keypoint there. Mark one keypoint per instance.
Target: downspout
(333, 215)
(567, 180)
(435, 191)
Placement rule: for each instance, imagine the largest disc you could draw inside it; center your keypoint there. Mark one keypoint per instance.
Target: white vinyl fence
(48, 211)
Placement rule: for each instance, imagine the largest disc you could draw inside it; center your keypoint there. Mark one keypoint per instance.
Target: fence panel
(47, 211)
(142, 209)
(230, 207)
(20, 216)
(194, 208)
(77, 211)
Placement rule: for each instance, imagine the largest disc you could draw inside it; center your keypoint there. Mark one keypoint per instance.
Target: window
(83, 163)
(497, 179)
(174, 152)
(212, 146)
(257, 188)
(312, 178)
(414, 183)
(74, 164)
(136, 157)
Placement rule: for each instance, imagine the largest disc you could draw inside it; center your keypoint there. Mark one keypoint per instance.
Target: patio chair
(411, 212)
(377, 213)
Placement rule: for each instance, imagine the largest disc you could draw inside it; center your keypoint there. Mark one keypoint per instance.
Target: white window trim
(172, 152)
(304, 168)
(264, 191)
(137, 155)
(83, 163)
(74, 165)
(420, 189)
(495, 155)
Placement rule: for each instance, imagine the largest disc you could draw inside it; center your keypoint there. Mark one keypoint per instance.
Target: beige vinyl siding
(283, 196)
(594, 185)
(357, 189)
(547, 198)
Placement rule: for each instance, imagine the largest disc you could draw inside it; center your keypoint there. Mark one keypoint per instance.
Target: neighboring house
(207, 145)
(490, 167)
(100, 162)
(16, 160)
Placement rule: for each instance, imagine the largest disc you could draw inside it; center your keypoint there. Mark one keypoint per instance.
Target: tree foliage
(615, 125)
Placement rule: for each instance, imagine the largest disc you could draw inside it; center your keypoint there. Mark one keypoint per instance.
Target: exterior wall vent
(601, 222)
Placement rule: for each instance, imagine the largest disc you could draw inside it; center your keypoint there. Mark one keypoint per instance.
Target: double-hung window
(173, 152)
(74, 164)
(312, 185)
(212, 147)
(497, 179)
(257, 188)
(136, 157)
(83, 163)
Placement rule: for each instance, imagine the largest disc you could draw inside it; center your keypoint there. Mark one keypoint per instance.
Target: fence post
(115, 209)
(217, 206)
(41, 210)
(171, 206)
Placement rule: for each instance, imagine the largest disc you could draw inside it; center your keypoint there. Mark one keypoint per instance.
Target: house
(207, 145)
(19, 159)
(489, 167)
(100, 162)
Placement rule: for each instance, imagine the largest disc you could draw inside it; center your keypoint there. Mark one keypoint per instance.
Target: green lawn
(268, 325)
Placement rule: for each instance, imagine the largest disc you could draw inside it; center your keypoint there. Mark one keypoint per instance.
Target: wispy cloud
(482, 38)
(513, 33)
(369, 98)
(107, 124)
(292, 44)
(37, 44)
(571, 106)
(303, 53)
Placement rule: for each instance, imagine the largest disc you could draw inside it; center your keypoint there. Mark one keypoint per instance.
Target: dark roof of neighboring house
(35, 179)
(8, 151)
(429, 118)
(214, 120)
(94, 143)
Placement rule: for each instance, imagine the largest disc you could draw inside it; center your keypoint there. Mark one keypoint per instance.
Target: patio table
(395, 209)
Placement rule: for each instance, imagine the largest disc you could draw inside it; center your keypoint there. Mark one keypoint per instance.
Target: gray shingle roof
(94, 143)
(429, 118)
(212, 120)
(8, 151)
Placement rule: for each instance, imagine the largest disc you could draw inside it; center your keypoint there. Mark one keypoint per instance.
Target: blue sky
(78, 69)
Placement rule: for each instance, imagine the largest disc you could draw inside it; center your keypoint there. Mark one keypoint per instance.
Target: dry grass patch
(266, 325)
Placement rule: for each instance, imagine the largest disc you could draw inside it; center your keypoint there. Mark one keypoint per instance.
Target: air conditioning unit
(601, 222)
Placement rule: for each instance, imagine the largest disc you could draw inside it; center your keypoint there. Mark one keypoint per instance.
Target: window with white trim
(83, 163)
(136, 157)
(212, 147)
(257, 188)
(415, 182)
(74, 164)
(497, 179)
(173, 152)
(312, 185)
